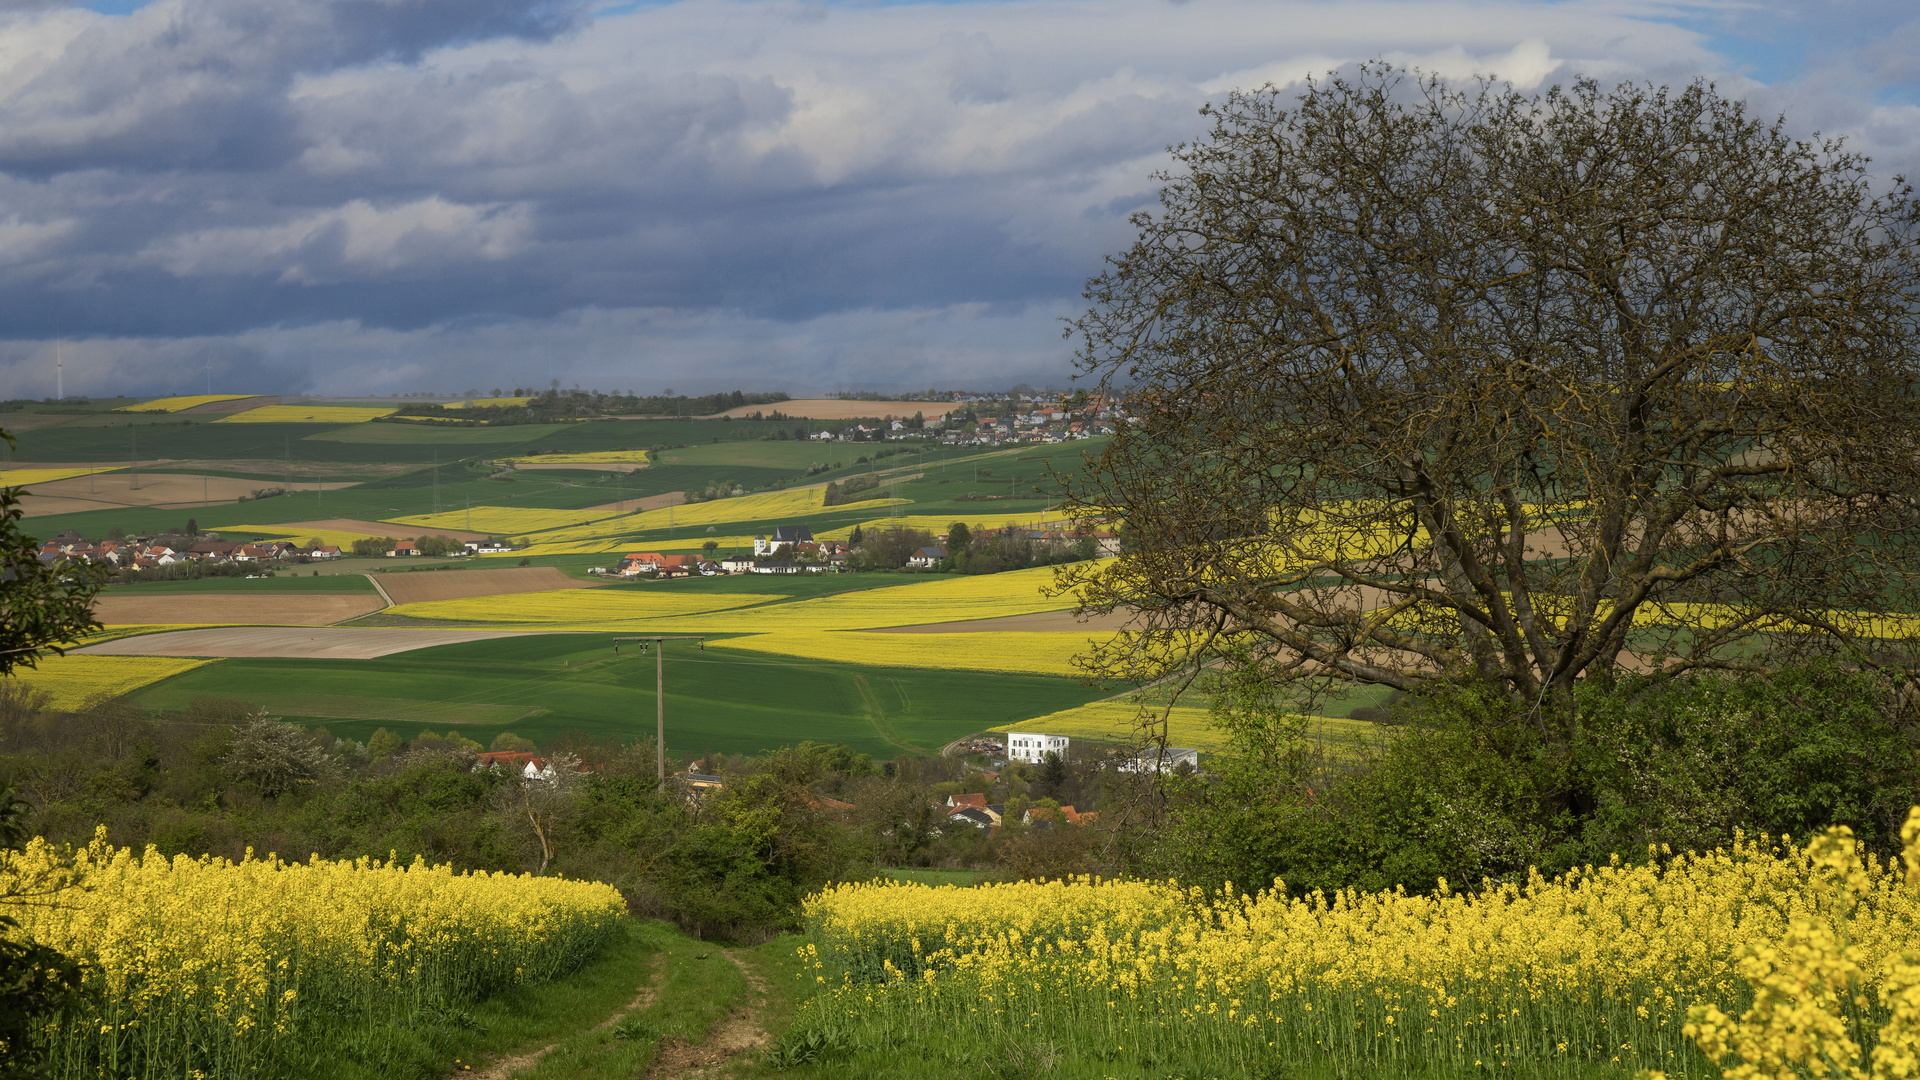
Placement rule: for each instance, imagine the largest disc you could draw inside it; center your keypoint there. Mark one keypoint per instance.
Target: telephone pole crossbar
(660, 690)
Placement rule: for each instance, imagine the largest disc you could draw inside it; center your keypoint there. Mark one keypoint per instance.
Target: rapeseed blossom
(218, 966)
(1597, 968)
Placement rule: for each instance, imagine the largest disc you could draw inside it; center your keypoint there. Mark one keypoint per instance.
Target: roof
(791, 534)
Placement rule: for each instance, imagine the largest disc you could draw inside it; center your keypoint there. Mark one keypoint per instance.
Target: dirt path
(507, 1068)
(738, 1032)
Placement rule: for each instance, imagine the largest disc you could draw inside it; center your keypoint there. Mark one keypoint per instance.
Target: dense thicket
(1462, 786)
(220, 777)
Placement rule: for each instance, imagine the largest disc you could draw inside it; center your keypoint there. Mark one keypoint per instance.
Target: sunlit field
(1592, 973)
(22, 477)
(74, 680)
(1189, 726)
(203, 967)
(177, 404)
(944, 599)
(938, 524)
(306, 414)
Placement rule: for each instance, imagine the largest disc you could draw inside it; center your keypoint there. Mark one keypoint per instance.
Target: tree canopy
(1431, 383)
(42, 605)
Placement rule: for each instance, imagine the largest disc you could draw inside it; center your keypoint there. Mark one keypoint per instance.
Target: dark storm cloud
(363, 195)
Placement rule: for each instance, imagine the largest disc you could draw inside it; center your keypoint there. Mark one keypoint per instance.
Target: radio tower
(59, 372)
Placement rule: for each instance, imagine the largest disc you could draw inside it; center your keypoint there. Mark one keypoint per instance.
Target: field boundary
(379, 588)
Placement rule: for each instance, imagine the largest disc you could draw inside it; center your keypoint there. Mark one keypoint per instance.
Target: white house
(926, 558)
(1032, 746)
(1168, 760)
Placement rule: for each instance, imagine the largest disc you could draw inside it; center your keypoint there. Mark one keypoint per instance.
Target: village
(1012, 770)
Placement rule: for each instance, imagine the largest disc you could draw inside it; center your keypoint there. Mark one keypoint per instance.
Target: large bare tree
(1433, 382)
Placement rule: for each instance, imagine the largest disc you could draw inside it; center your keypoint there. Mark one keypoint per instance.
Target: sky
(341, 197)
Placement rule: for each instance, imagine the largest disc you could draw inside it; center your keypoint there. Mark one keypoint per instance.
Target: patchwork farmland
(521, 637)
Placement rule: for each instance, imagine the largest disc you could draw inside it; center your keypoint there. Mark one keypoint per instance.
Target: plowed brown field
(325, 642)
(82, 493)
(459, 584)
(296, 609)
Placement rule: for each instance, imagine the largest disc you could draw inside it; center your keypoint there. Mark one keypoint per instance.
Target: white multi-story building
(1032, 746)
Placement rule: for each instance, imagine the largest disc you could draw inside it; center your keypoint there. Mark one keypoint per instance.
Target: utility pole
(59, 372)
(660, 692)
(133, 459)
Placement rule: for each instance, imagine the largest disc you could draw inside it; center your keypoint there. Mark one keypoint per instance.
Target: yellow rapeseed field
(1119, 721)
(204, 967)
(1186, 725)
(75, 679)
(945, 599)
(485, 401)
(502, 519)
(177, 404)
(597, 546)
(306, 414)
(763, 507)
(1604, 971)
(1022, 653)
(579, 609)
(939, 523)
(22, 477)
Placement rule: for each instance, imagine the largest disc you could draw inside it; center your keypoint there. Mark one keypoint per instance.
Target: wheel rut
(736, 1033)
(508, 1067)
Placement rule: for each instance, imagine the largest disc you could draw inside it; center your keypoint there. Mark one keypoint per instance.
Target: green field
(543, 686)
(761, 453)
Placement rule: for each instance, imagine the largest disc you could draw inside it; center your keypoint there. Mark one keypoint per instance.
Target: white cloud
(358, 238)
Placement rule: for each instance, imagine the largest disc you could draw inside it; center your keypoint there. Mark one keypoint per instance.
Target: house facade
(1031, 746)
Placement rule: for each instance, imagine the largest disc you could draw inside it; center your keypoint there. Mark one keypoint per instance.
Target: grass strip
(700, 987)
(521, 1020)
